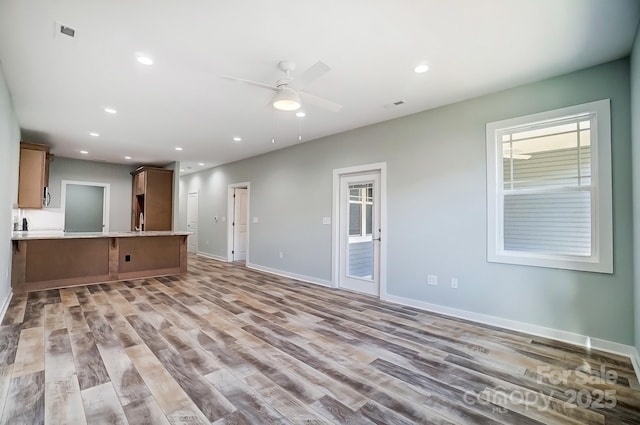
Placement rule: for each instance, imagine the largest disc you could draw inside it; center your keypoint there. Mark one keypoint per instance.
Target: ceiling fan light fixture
(286, 99)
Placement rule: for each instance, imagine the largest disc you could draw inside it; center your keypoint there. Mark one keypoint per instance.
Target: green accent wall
(635, 155)
(9, 159)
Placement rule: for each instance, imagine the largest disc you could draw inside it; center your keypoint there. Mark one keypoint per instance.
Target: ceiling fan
(289, 90)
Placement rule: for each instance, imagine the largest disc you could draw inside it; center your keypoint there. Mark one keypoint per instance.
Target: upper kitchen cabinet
(152, 203)
(33, 180)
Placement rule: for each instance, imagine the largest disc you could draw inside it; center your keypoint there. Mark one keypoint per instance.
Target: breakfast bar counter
(45, 260)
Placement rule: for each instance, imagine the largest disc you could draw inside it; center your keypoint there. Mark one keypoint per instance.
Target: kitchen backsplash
(44, 219)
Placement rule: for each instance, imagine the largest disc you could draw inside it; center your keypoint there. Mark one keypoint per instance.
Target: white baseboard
(296, 276)
(212, 256)
(556, 334)
(5, 305)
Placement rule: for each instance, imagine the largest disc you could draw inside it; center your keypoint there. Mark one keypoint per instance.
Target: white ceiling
(60, 86)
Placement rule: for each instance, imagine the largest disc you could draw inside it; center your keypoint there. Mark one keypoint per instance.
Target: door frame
(230, 217)
(380, 167)
(105, 200)
(188, 229)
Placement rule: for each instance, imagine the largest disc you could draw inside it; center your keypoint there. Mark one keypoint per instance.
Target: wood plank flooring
(228, 345)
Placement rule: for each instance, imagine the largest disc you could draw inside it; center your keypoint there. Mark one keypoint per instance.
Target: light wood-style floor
(227, 345)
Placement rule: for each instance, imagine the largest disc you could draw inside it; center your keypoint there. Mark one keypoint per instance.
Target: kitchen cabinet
(33, 179)
(152, 196)
(138, 183)
(51, 260)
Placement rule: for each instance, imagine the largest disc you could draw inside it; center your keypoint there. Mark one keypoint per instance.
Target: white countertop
(58, 234)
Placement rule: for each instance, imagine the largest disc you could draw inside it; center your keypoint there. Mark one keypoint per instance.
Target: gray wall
(635, 129)
(83, 208)
(9, 157)
(437, 208)
(175, 166)
(116, 175)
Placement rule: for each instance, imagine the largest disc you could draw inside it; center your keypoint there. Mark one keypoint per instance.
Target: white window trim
(601, 259)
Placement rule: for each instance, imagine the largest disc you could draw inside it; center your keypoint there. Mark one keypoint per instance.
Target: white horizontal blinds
(547, 193)
(552, 223)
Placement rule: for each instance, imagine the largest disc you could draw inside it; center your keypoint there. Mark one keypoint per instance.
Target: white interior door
(240, 224)
(360, 232)
(192, 221)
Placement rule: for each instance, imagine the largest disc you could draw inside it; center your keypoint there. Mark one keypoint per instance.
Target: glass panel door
(360, 232)
(360, 242)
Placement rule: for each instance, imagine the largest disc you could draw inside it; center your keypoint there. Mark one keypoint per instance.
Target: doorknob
(378, 239)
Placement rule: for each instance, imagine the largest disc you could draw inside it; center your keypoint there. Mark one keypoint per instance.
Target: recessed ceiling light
(127, 157)
(201, 163)
(92, 134)
(178, 148)
(84, 152)
(301, 114)
(421, 68)
(237, 139)
(110, 111)
(145, 60)
(182, 170)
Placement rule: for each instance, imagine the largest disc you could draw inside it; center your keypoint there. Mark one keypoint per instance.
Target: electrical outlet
(432, 279)
(281, 255)
(454, 283)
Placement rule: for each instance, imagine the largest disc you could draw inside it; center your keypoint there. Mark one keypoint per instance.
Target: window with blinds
(549, 194)
(546, 187)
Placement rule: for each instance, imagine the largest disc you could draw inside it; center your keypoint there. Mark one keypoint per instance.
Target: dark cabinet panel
(153, 198)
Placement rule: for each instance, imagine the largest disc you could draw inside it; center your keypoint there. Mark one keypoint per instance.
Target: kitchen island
(45, 260)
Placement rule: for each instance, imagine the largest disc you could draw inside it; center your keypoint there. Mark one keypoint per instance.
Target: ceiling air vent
(65, 31)
(394, 104)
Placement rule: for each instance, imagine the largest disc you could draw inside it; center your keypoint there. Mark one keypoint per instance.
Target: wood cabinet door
(31, 179)
(139, 183)
(158, 200)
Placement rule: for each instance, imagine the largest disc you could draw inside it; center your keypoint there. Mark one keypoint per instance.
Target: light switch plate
(326, 220)
(255, 219)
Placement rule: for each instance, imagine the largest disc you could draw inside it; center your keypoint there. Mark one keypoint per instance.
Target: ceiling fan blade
(320, 102)
(249, 82)
(310, 75)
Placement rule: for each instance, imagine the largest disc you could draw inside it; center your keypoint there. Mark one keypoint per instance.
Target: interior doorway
(85, 206)
(359, 224)
(238, 223)
(192, 222)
